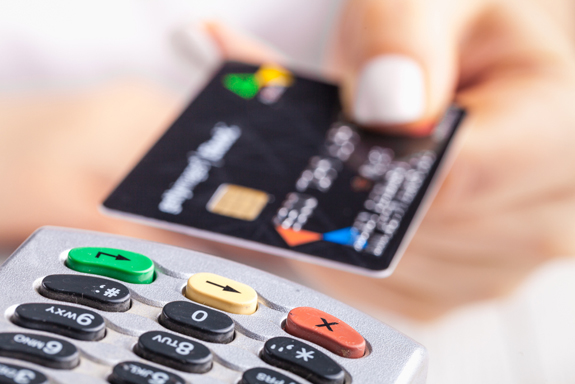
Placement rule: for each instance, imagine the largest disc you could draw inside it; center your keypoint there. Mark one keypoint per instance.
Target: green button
(116, 263)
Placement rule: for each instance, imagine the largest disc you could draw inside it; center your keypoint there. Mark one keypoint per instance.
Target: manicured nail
(197, 46)
(390, 90)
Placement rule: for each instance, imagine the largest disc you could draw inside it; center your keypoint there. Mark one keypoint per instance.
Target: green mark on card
(242, 84)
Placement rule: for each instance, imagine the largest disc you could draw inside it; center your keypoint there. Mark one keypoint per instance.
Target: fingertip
(198, 44)
(417, 129)
(239, 45)
(390, 91)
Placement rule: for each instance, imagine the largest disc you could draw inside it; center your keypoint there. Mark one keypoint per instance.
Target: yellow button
(222, 293)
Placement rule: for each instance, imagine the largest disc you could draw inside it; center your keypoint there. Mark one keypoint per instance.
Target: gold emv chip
(238, 202)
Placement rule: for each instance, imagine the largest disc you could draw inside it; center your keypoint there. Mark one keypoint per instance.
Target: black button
(174, 351)
(94, 292)
(265, 375)
(303, 360)
(15, 374)
(132, 372)
(44, 350)
(197, 321)
(78, 323)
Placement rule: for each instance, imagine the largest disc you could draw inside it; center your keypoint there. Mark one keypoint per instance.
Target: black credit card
(265, 160)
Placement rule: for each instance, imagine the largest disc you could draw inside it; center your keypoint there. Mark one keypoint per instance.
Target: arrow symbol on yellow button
(227, 288)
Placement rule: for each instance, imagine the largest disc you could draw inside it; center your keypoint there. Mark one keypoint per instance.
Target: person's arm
(562, 12)
(60, 155)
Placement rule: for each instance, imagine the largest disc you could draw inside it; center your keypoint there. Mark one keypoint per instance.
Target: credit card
(265, 160)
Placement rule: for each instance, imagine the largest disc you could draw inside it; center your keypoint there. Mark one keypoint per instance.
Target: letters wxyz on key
(78, 323)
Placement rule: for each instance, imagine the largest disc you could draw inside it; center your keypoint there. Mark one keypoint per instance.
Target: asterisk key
(303, 354)
(112, 292)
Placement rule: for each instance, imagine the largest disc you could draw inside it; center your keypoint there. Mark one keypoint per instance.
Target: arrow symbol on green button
(227, 288)
(118, 257)
(120, 264)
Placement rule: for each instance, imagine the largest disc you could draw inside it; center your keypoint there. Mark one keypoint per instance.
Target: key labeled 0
(198, 321)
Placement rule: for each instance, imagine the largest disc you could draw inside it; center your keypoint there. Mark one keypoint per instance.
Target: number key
(197, 321)
(78, 323)
(15, 374)
(134, 372)
(39, 349)
(174, 351)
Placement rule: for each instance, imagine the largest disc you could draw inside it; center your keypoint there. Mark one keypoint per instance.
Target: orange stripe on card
(294, 238)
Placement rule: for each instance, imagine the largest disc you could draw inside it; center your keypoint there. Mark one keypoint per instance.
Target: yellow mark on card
(270, 75)
(238, 202)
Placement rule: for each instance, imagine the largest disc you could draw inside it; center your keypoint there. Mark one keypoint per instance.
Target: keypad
(94, 292)
(174, 351)
(43, 350)
(198, 321)
(78, 323)
(15, 374)
(302, 359)
(133, 372)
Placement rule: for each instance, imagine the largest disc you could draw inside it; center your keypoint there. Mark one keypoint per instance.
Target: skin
(62, 154)
(508, 203)
(506, 206)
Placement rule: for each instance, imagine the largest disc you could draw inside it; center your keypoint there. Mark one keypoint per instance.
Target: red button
(326, 330)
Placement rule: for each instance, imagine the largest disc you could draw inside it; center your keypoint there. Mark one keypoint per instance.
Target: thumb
(397, 62)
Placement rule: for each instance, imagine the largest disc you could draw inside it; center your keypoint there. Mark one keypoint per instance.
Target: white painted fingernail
(390, 90)
(197, 46)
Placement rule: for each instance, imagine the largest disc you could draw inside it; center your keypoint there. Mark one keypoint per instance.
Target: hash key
(95, 292)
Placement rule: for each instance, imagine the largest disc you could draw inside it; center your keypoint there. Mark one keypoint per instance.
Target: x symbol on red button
(326, 324)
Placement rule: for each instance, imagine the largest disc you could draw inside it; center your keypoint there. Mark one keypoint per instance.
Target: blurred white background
(66, 43)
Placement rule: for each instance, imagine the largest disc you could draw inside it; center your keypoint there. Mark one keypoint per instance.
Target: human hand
(508, 203)
(60, 155)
